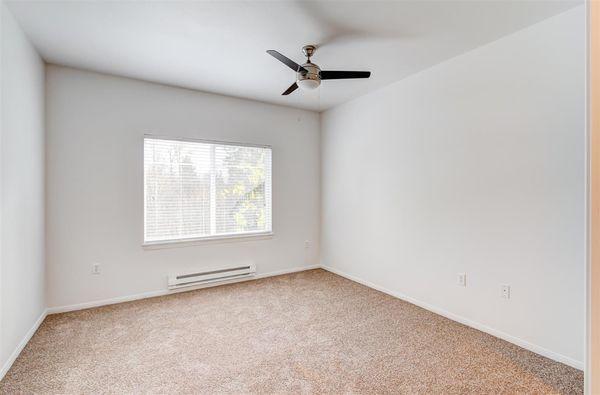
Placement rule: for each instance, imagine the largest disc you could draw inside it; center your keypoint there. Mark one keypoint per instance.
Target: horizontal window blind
(196, 190)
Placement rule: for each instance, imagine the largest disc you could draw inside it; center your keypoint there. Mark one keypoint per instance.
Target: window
(197, 189)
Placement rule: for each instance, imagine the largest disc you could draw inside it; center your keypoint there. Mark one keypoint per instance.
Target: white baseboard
(161, 292)
(484, 328)
(287, 271)
(105, 302)
(22, 344)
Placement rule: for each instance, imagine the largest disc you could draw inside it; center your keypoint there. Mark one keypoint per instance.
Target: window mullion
(213, 192)
(181, 202)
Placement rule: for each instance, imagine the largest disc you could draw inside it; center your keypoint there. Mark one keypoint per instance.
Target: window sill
(155, 245)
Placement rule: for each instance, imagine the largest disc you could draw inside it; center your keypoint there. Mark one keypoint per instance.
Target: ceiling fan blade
(287, 61)
(289, 90)
(339, 75)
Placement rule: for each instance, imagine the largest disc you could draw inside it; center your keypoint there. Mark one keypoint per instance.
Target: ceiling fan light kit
(310, 75)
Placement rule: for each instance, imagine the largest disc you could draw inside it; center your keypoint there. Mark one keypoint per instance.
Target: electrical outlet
(461, 279)
(306, 244)
(95, 268)
(505, 291)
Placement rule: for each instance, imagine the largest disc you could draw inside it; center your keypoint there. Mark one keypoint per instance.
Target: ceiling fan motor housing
(310, 79)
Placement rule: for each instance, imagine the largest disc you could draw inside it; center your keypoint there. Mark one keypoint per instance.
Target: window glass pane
(241, 202)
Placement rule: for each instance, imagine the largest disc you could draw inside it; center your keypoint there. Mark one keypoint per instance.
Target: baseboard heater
(211, 276)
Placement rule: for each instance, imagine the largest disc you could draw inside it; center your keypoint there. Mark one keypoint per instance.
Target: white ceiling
(220, 46)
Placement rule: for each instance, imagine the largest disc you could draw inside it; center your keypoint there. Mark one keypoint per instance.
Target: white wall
(95, 125)
(475, 165)
(21, 189)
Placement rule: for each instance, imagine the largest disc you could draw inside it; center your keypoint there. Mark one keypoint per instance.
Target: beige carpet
(310, 332)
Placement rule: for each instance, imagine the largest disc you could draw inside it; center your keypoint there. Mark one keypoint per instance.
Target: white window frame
(182, 242)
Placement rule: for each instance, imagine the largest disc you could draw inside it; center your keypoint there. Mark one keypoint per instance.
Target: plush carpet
(309, 332)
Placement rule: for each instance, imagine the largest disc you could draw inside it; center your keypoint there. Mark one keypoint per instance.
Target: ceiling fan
(309, 75)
